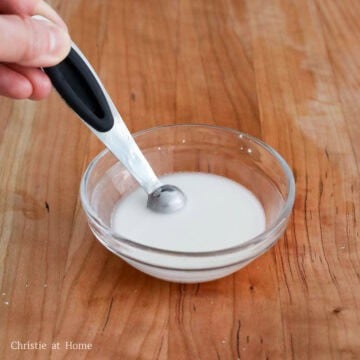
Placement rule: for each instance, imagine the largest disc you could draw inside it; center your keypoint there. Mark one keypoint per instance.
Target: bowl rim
(273, 229)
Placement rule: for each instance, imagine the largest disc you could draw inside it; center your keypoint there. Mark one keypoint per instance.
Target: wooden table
(285, 71)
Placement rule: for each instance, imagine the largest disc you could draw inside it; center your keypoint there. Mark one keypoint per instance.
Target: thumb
(32, 42)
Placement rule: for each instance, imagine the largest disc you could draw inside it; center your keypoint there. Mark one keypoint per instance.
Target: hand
(28, 43)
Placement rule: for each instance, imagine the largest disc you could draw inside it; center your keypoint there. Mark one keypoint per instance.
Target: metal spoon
(78, 84)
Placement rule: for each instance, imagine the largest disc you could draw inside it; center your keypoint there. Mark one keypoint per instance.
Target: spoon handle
(78, 84)
(80, 89)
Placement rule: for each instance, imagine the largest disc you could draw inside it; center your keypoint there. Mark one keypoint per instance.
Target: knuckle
(36, 41)
(30, 42)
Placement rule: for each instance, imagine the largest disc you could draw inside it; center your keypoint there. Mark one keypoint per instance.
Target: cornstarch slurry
(219, 213)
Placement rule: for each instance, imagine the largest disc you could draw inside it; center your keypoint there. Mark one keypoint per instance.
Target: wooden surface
(285, 71)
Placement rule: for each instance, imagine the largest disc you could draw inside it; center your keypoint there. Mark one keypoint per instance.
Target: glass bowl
(191, 148)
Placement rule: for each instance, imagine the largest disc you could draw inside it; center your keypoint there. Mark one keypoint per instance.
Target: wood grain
(285, 71)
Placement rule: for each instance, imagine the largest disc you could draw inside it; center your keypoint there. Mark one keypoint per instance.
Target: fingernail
(44, 9)
(40, 17)
(55, 41)
(59, 41)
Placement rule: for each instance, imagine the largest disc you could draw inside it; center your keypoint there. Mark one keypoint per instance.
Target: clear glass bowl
(199, 148)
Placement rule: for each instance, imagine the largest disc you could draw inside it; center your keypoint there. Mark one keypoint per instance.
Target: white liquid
(219, 214)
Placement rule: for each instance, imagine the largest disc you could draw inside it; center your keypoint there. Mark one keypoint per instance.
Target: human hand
(28, 43)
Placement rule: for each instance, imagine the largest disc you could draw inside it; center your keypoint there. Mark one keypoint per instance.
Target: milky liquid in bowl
(214, 240)
(219, 214)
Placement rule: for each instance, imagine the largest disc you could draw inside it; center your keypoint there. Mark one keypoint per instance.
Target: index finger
(29, 8)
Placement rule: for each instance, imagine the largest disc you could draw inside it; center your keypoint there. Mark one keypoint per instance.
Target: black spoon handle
(75, 81)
